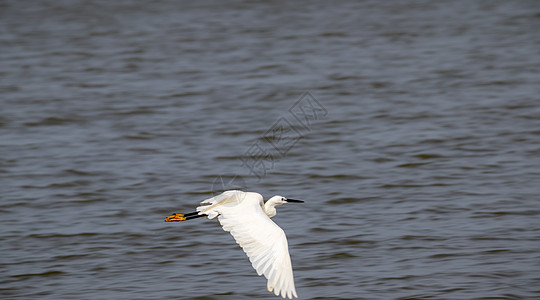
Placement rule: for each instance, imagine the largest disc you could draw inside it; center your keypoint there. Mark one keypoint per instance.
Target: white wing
(261, 239)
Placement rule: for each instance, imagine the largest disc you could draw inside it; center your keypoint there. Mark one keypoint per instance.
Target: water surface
(420, 175)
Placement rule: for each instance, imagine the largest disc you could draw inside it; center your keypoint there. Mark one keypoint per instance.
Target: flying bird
(247, 217)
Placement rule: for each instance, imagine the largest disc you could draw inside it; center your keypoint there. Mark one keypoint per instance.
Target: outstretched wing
(262, 240)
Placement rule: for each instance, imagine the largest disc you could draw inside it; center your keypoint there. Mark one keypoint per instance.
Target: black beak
(294, 201)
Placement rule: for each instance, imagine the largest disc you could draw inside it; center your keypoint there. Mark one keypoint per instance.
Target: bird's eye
(283, 199)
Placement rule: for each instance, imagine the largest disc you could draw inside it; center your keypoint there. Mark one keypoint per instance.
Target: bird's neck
(269, 208)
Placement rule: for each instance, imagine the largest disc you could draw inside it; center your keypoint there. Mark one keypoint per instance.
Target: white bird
(247, 217)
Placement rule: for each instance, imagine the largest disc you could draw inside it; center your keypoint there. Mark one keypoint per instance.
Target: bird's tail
(206, 209)
(210, 206)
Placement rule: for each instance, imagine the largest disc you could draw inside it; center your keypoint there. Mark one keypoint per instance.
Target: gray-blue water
(420, 168)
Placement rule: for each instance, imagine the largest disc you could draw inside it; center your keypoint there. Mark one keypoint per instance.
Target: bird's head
(270, 205)
(280, 200)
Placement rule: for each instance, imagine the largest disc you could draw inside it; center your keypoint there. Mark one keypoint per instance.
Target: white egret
(247, 217)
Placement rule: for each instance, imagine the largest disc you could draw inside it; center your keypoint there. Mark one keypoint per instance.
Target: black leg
(189, 217)
(191, 214)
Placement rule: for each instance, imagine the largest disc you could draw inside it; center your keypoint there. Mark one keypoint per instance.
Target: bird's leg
(183, 217)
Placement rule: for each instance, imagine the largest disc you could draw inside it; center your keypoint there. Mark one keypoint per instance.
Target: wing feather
(262, 240)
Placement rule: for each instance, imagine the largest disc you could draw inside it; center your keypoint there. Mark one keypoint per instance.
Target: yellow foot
(175, 218)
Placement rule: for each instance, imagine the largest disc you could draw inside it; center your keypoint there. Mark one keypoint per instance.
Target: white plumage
(247, 218)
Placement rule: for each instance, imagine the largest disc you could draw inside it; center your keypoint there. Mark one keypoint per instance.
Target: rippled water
(420, 171)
